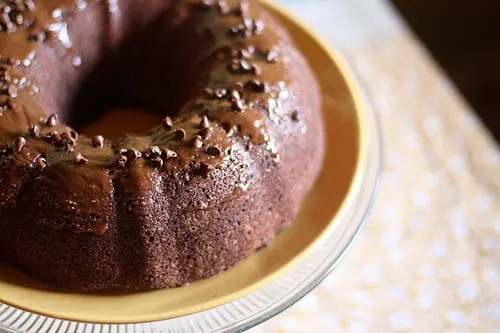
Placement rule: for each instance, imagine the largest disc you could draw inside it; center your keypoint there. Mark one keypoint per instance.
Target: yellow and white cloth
(429, 257)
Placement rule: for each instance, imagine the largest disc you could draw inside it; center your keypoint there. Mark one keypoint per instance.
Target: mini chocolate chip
(248, 22)
(258, 86)
(245, 66)
(79, 159)
(51, 120)
(242, 8)
(295, 115)
(34, 131)
(38, 36)
(41, 162)
(204, 123)
(180, 134)
(258, 27)
(122, 161)
(235, 31)
(223, 7)
(237, 105)
(197, 142)
(167, 123)
(213, 150)
(30, 5)
(19, 19)
(256, 70)
(157, 162)
(98, 141)
(272, 56)
(133, 154)
(235, 95)
(168, 154)
(20, 143)
(153, 152)
(205, 132)
(244, 53)
(12, 91)
(220, 93)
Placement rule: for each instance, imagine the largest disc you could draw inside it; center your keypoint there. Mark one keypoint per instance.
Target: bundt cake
(238, 144)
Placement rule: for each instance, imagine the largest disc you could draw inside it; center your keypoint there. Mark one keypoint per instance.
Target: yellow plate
(344, 141)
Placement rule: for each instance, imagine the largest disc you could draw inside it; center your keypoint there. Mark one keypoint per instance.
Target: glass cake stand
(286, 286)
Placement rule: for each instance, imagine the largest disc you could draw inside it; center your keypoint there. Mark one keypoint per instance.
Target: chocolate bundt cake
(239, 146)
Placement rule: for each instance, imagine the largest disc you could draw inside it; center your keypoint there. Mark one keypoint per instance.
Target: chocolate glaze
(241, 139)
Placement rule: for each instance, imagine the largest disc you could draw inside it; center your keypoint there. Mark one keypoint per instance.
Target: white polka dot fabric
(429, 257)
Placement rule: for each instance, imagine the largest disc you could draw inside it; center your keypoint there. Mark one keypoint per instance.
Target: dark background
(464, 37)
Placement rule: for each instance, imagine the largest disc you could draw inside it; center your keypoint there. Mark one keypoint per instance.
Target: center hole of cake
(118, 122)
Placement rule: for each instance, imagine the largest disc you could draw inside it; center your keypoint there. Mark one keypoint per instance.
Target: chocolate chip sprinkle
(153, 152)
(235, 95)
(257, 86)
(295, 116)
(223, 7)
(272, 56)
(79, 159)
(132, 154)
(242, 8)
(167, 123)
(20, 143)
(256, 70)
(34, 131)
(51, 120)
(122, 161)
(220, 93)
(37, 36)
(98, 141)
(247, 28)
(204, 123)
(180, 134)
(168, 154)
(41, 162)
(197, 141)
(213, 150)
(157, 162)
(11, 91)
(237, 105)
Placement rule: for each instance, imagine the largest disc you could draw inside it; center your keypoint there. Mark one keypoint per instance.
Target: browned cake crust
(240, 145)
